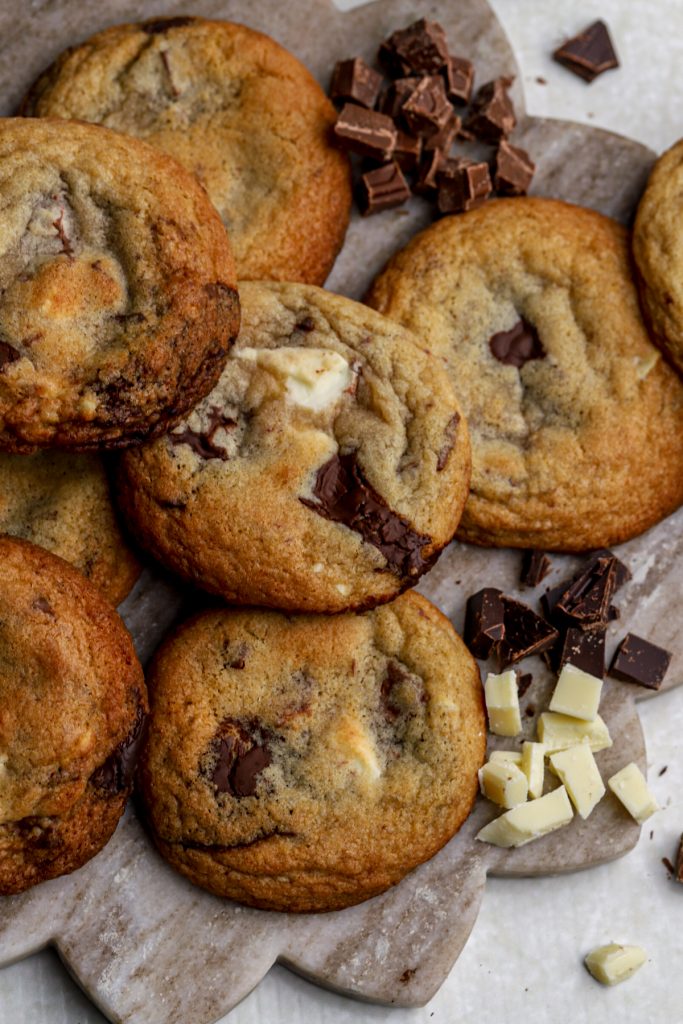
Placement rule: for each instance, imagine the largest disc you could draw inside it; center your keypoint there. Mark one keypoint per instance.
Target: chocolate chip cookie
(117, 288)
(576, 423)
(658, 252)
(236, 109)
(325, 471)
(61, 501)
(72, 707)
(309, 762)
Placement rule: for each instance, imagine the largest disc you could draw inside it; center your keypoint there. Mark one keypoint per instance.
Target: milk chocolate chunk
(240, 758)
(116, 774)
(535, 567)
(427, 109)
(639, 661)
(493, 113)
(419, 49)
(589, 53)
(585, 649)
(366, 132)
(484, 621)
(513, 171)
(407, 151)
(444, 138)
(396, 95)
(382, 189)
(459, 77)
(344, 495)
(426, 182)
(355, 81)
(463, 185)
(202, 442)
(518, 345)
(678, 870)
(450, 434)
(525, 633)
(8, 354)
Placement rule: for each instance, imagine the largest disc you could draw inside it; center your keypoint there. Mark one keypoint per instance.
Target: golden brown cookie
(117, 288)
(236, 109)
(658, 251)
(325, 471)
(72, 707)
(62, 502)
(576, 423)
(310, 762)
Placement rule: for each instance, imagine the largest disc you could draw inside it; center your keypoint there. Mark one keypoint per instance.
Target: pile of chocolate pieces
(406, 131)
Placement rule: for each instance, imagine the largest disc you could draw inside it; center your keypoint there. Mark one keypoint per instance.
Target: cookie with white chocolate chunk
(308, 763)
(325, 471)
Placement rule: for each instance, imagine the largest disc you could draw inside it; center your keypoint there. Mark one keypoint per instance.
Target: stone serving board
(148, 947)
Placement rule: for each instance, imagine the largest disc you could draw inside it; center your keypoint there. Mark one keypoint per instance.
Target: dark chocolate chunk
(584, 649)
(241, 754)
(518, 345)
(419, 49)
(153, 28)
(8, 354)
(493, 114)
(396, 95)
(355, 81)
(586, 599)
(202, 442)
(450, 434)
(535, 567)
(639, 661)
(382, 189)
(400, 691)
(344, 495)
(407, 151)
(525, 633)
(444, 138)
(116, 774)
(306, 325)
(426, 183)
(459, 77)
(484, 621)
(678, 873)
(366, 132)
(247, 768)
(524, 681)
(669, 866)
(463, 185)
(622, 573)
(427, 109)
(589, 53)
(42, 604)
(514, 170)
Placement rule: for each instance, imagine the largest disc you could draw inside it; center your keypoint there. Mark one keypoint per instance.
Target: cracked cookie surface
(237, 110)
(325, 471)
(576, 423)
(72, 707)
(117, 288)
(309, 762)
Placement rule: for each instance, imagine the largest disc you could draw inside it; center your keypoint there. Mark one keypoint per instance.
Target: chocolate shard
(493, 114)
(116, 774)
(8, 354)
(584, 649)
(589, 53)
(444, 138)
(622, 573)
(419, 49)
(202, 442)
(396, 95)
(356, 82)
(586, 599)
(344, 495)
(524, 681)
(427, 109)
(525, 633)
(459, 78)
(463, 185)
(426, 181)
(678, 871)
(518, 345)
(407, 151)
(514, 170)
(241, 753)
(639, 661)
(450, 435)
(366, 132)
(484, 621)
(535, 567)
(382, 189)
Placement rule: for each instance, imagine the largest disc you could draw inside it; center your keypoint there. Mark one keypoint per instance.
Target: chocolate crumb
(662, 771)
(407, 975)
(669, 866)
(678, 873)
(523, 683)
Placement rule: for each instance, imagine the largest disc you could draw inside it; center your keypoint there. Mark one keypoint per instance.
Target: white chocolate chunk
(630, 787)
(509, 756)
(578, 771)
(644, 364)
(352, 746)
(504, 783)
(613, 963)
(577, 693)
(533, 766)
(557, 732)
(314, 378)
(529, 821)
(502, 703)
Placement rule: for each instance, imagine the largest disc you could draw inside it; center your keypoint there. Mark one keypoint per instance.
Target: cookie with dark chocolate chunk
(341, 739)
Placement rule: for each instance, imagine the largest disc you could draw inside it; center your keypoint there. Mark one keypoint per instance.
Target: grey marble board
(145, 945)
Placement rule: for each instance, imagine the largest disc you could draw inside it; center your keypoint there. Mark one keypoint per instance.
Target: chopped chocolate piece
(493, 115)
(584, 649)
(525, 633)
(306, 325)
(518, 345)
(8, 354)
(524, 681)
(484, 616)
(589, 53)
(444, 138)
(396, 95)
(535, 567)
(586, 601)
(450, 434)
(427, 109)
(116, 774)
(355, 81)
(639, 661)
(678, 873)
(421, 48)
(407, 151)
(241, 756)
(382, 189)
(344, 495)
(622, 573)
(426, 183)
(366, 132)
(462, 187)
(401, 691)
(459, 77)
(202, 442)
(513, 171)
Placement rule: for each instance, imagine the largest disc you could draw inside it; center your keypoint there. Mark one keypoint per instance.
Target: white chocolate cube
(577, 694)
(529, 821)
(557, 732)
(578, 771)
(502, 703)
(533, 766)
(630, 787)
(509, 756)
(504, 783)
(613, 963)
(313, 378)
